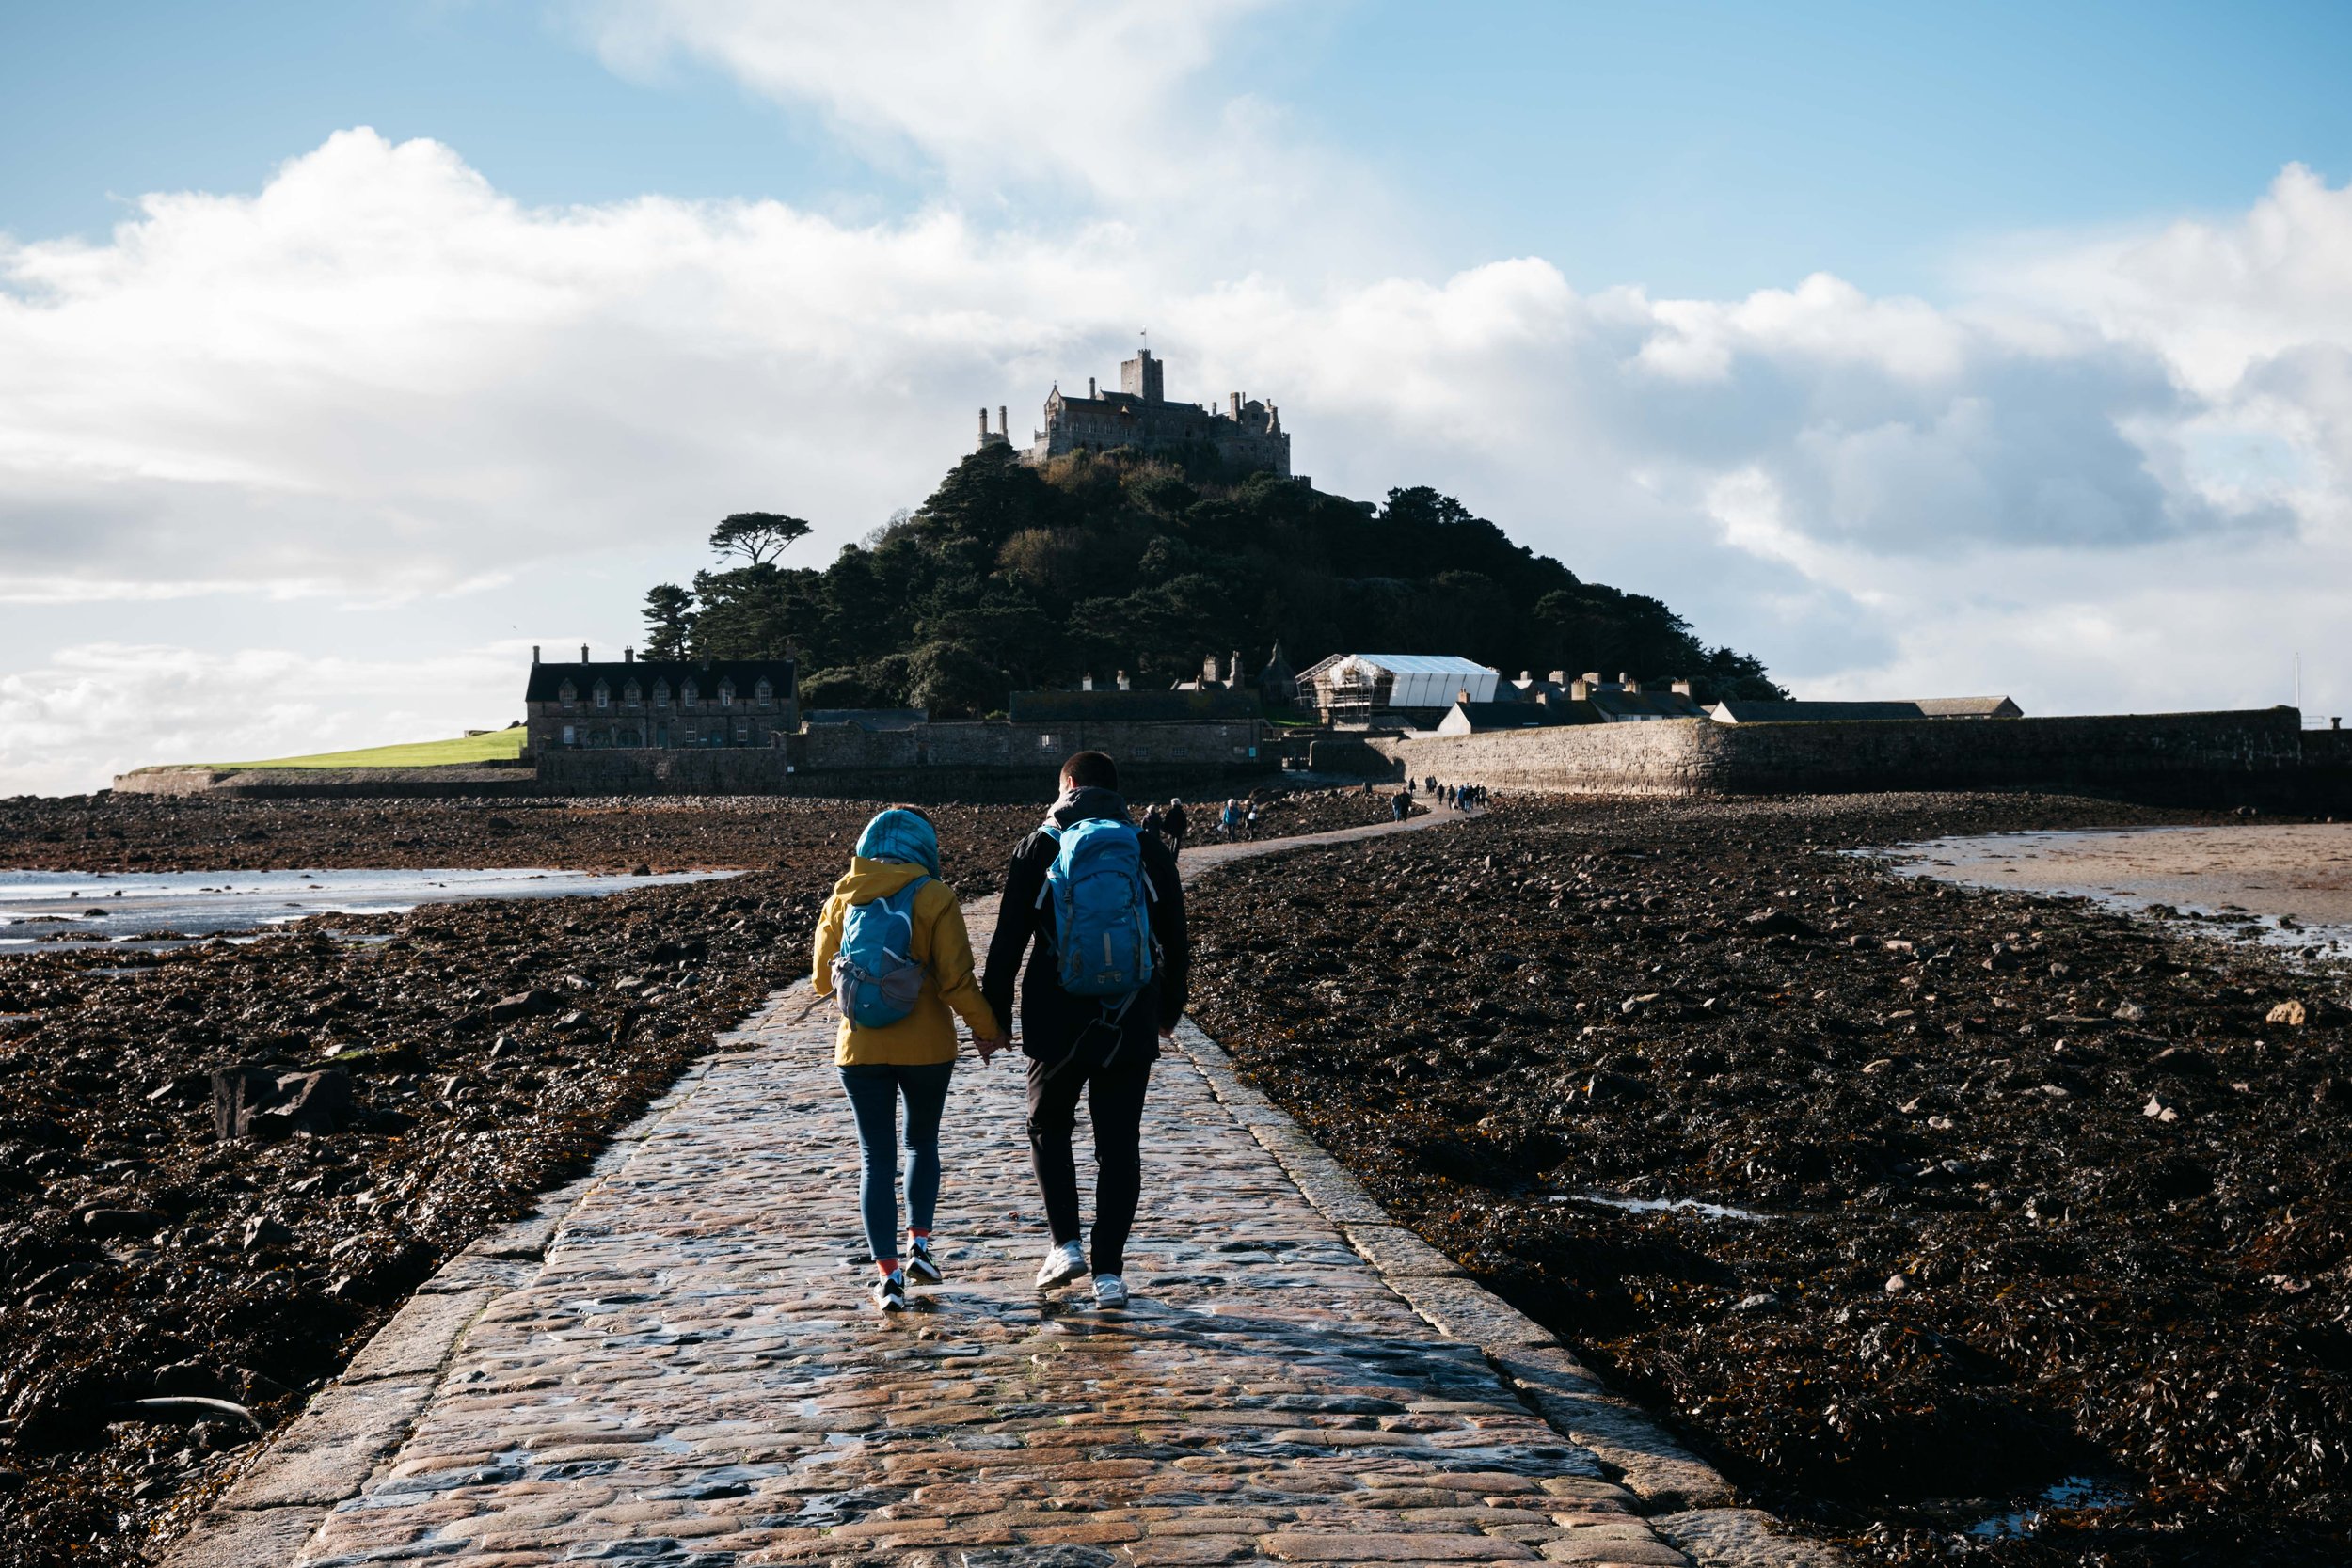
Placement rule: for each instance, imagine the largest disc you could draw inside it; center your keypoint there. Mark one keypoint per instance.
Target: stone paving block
(1743, 1538)
(417, 1338)
(242, 1538)
(326, 1453)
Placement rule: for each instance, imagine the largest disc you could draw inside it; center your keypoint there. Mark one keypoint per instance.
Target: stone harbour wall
(2255, 757)
(925, 761)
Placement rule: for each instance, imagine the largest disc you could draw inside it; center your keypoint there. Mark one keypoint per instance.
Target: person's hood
(867, 880)
(1087, 802)
(898, 835)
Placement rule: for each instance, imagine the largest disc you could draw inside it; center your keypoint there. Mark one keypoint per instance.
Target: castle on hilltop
(1246, 437)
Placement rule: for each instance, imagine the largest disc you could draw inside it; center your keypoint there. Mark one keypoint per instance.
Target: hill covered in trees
(1012, 578)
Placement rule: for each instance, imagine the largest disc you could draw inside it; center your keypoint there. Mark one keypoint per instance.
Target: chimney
(1236, 404)
(1559, 678)
(534, 653)
(629, 655)
(1086, 682)
(583, 653)
(1582, 691)
(1123, 682)
(1627, 682)
(1682, 688)
(1233, 670)
(1090, 389)
(983, 421)
(2335, 723)
(1592, 677)
(1462, 695)
(1004, 426)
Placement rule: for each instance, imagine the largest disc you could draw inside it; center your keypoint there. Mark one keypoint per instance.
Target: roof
(1474, 718)
(547, 678)
(870, 718)
(1733, 711)
(1143, 708)
(1404, 664)
(1615, 703)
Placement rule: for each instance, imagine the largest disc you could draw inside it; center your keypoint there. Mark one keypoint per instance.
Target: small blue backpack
(876, 981)
(1101, 918)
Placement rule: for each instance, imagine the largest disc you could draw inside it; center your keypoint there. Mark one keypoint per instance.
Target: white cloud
(100, 709)
(378, 379)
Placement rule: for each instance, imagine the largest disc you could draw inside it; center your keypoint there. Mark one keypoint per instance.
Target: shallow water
(83, 908)
(2287, 886)
(2076, 1492)
(1661, 1206)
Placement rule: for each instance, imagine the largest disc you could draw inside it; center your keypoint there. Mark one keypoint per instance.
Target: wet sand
(2299, 873)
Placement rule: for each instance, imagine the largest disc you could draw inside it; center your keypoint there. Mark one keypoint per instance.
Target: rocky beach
(223, 1163)
(1964, 1225)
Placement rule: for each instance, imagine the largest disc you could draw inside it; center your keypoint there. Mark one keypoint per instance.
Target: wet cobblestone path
(694, 1375)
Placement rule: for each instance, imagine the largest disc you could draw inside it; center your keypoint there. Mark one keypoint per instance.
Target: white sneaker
(1110, 1292)
(890, 1293)
(1065, 1262)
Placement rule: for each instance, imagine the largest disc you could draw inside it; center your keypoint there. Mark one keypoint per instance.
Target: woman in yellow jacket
(912, 1057)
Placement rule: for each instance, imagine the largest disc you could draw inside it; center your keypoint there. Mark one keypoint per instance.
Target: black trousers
(1113, 1096)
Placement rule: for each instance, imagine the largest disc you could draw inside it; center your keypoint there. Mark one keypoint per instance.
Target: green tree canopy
(1013, 577)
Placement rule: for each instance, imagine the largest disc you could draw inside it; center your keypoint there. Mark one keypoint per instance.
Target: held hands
(987, 1045)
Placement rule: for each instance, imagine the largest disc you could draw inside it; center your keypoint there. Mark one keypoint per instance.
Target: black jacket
(1052, 1020)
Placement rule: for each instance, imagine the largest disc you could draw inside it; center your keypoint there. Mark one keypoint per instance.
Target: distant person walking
(892, 952)
(1173, 824)
(1096, 909)
(1228, 822)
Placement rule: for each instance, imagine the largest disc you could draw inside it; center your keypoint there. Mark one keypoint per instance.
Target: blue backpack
(876, 981)
(1101, 919)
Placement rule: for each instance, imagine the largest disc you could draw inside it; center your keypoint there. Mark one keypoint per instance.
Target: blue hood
(900, 836)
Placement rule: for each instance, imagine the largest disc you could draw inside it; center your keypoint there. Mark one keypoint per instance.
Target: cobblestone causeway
(692, 1375)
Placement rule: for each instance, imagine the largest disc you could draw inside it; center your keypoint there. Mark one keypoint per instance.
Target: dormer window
(688, 694)
(764, 693)
(727, 693)
(630, 695)
(661, 693)
(568, 694)
(604, 695)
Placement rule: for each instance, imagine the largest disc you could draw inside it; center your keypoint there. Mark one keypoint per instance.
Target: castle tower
(1140, 377)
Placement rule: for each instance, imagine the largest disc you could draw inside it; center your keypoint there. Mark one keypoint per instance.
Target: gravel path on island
(1927, 1213)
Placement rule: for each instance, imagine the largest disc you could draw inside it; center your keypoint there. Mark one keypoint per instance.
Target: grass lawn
(495, 746)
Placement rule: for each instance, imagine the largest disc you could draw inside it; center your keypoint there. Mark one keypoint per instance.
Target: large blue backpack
(1102, 916)
(876, 981)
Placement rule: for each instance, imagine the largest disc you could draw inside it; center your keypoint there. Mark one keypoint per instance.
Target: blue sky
(1701, 149)
(347, 350)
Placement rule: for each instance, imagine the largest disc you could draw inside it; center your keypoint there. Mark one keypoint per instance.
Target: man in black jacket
(1101, 1047)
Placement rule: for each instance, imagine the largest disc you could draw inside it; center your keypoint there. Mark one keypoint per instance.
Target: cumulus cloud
(380, 378)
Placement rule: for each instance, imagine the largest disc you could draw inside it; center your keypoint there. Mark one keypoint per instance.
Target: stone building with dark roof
(1732, 711)
(660, 704)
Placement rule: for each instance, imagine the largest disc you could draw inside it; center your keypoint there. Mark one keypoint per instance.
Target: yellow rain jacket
(927, 1035)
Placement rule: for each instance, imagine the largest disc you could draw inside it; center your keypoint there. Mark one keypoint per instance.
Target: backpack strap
(1052, 830)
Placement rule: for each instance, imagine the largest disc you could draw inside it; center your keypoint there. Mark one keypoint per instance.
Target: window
(661, 693)
(568, 694)
(688, 693)
(727, 693)
(764, 693)
(630, 695)
(604, 695)
(571, 736)
(742, 731)
(1044, 742)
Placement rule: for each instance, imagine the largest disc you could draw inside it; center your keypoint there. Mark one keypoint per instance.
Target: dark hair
(911, 811)
(1091, 770)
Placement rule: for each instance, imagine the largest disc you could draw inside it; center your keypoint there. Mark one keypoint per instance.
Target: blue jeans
(874, 1090)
